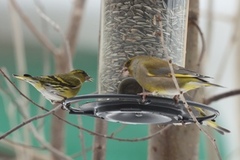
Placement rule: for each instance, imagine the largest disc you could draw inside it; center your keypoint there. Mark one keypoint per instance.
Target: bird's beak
(88, 79)
(125, 72)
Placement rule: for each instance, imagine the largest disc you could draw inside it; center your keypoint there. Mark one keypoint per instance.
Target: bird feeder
(130, 28)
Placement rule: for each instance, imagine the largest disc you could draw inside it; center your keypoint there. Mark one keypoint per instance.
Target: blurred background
(219, 21)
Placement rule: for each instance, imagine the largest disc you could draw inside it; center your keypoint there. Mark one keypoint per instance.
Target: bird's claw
(144, 95)
(176, 98)
(66, 106)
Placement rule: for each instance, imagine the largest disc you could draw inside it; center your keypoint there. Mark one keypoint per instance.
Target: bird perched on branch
(154, 75)
(57, 88)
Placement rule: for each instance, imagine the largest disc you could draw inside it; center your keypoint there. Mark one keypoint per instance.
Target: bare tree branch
(42, 38)
(65, 57)
(82, 140)
(99, 143)
(203, 43)
(21, 64)
(221, 96)
(119, 129)
(22, 144)
(80, 154)
(234, 41)
(36, 134)
(28, 121)
(75, 19)
(33, 129)
(209, 33)
(8, 79)
(66, 48)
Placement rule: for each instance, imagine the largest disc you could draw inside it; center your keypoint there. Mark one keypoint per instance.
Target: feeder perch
(129, 109)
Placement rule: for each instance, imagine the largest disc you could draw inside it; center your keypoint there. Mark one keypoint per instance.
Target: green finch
(154, 75)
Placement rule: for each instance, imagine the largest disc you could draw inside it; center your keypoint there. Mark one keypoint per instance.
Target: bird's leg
(53, 102)
(176, 98)
(66, 106)
(144, 94)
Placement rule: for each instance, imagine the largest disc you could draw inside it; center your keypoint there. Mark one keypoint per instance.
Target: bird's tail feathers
(218, 128)
(212, 123)
(211, 84)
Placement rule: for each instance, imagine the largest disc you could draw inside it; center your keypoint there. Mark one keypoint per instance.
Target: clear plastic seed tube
(139, 27)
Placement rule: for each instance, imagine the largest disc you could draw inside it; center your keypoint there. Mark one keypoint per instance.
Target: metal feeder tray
(129, 109)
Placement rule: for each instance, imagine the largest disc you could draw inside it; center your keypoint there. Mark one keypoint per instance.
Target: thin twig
(203, 44)
(42, 38)
(120, 139)
(34, 131)
(119, 129)
(51, 148)
(18, 44)
(8, 79)
(27, 146)
(209, 26)
(65, 56)
(234, 41)
(20, 63)
(46, 59)
(82, 142)
(80, 154)
(28, 121)
(221, 96)
(181, 93)
(60, 31)
(11, 110)
(73, 28)
(14, 101)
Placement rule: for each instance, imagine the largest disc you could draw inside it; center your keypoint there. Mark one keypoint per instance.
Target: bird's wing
(64, 81)
(159, 68)
(212, 123)
(183, 72)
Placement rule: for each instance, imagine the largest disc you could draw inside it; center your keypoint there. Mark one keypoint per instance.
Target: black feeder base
(129, 109)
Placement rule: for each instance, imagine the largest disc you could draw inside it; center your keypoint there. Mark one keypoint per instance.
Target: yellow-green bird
(154, 75)
(57, 88)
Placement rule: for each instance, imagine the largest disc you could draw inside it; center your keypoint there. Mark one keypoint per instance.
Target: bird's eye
(125, 69)
(128, 63)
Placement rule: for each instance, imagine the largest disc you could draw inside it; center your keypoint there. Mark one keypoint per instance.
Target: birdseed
(132, 27)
